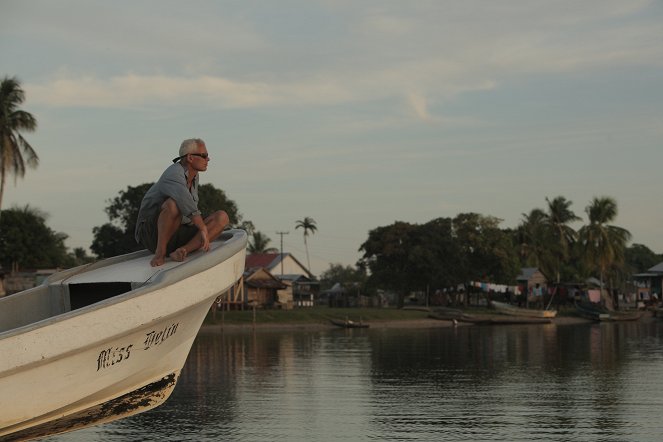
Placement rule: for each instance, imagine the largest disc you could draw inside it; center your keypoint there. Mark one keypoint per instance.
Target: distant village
(281, 281)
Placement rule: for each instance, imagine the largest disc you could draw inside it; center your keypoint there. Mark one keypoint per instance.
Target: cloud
(418, 56)
(420, 106)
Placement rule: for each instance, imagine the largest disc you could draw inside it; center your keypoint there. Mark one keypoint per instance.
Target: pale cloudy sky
(355, 113)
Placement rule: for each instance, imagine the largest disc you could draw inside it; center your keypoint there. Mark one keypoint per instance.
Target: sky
(355, 113)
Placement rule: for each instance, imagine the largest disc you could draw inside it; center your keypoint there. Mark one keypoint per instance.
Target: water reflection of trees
(467, 376)
(486, 380)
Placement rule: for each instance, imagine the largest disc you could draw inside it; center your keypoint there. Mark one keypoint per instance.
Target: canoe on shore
(105, 340)
(597, 313)
(509, 309)
(482, 319)
(347, 323)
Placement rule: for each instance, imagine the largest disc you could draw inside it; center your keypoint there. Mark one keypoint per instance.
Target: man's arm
(197, 220)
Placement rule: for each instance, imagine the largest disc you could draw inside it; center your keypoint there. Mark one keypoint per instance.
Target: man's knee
(223, 218)
(220, 218)
(169, 208)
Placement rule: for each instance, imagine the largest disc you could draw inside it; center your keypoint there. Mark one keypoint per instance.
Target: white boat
(108, 340)
(512, 310)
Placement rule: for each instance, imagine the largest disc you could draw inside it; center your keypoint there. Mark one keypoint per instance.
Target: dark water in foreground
(588, 382)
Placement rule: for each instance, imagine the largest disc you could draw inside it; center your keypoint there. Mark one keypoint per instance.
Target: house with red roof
(301, 287)
(277, 264)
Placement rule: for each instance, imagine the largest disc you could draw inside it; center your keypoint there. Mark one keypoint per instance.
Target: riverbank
(318, 318)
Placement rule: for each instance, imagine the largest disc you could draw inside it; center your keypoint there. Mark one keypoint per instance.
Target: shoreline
(375, 324)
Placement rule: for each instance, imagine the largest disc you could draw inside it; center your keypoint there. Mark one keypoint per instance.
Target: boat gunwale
(229, 248)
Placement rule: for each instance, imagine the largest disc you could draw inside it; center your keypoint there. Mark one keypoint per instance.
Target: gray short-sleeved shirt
(171, 184)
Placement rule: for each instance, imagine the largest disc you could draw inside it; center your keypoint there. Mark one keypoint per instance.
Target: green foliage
(547, 241)
(213, 199)
(27, 242)
(15, 152)
(603, 245)
(349, 277)
(110, 240)
(639, 258)
(258, 243)
(117, 236)
(308, 225)
(387, 256)
(444, 252)
(487, 252)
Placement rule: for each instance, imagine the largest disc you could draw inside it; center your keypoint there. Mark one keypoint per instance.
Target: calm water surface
(587, 382)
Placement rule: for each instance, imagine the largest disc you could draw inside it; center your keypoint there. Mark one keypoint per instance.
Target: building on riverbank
(649, 284)
(299, 287)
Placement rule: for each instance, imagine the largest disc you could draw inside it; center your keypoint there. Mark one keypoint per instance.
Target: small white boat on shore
(107, 340)
(512, 310)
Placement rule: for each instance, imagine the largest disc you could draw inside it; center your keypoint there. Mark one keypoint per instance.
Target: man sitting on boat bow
(169, 222)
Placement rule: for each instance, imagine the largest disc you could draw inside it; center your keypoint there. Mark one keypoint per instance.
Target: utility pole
(282, 233)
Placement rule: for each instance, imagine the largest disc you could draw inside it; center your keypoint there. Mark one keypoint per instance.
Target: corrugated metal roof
(526, 273)
(658, 268)
(264, 260)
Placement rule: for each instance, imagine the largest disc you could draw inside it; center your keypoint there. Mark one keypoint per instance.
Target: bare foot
(179, 254)
(157, 261)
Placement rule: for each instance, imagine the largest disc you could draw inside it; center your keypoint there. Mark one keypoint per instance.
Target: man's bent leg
(215, 223)
(167, 224)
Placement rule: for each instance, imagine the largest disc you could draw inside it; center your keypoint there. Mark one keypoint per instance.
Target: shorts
(148, 235)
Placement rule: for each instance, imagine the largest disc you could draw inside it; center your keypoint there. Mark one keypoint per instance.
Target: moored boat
(484, 319)
(347, 323)
(107, 340)
(597, 313)
(509, 309)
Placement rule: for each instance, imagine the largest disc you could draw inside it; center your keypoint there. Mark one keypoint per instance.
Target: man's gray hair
(190, 145)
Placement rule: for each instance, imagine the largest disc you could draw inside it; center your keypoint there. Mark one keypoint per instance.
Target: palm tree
(259, 242)
(603, 244)
(534, 240)
(308, 224)
(15, 152)
(563, 236)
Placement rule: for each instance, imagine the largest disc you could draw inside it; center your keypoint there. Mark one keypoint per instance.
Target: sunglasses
(204, 156)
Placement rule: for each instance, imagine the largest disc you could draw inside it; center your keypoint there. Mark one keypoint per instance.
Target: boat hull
(601, 315)
(348, 323)
(508, 309)
(484, 319)
(109, 360)
(134, 402)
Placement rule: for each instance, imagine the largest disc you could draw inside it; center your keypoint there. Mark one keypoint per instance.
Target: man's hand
(204, 239)
(202, 229)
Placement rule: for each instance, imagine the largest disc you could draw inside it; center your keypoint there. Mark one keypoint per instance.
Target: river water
(583, 382)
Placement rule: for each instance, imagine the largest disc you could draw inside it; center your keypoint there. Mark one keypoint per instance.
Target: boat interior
(90, 284)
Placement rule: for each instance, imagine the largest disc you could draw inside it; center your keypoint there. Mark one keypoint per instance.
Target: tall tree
(534, 240)
(640, 258)
(349, 277)
(27, 242)
(603, 244)
(15, 152)
(443, 252)
(387, 254)
(563, 236)
(486, 251)
(309, 225)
